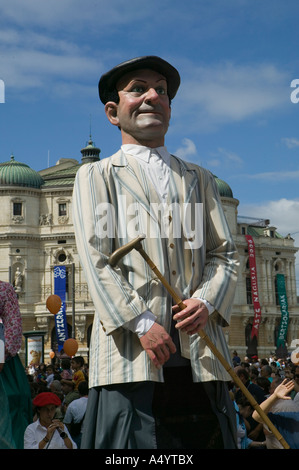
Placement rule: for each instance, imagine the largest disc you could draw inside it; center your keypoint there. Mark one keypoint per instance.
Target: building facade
(36, 235)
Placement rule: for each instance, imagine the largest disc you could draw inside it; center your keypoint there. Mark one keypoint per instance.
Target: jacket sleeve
(115, 300)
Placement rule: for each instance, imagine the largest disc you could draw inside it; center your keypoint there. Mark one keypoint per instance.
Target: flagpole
(73, 302)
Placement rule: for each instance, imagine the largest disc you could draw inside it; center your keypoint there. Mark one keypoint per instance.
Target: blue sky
(233, 113)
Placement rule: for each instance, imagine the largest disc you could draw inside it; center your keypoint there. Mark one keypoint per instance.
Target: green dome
(13, 173)
(223, 188)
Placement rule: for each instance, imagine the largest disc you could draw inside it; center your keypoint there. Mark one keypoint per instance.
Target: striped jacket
(113, 202)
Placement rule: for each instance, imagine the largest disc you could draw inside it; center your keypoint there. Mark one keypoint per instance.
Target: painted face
(143, 111)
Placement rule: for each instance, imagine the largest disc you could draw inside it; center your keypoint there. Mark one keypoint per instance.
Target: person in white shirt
(46, 432)
(153, 382)
(50, 375)
(75, 413)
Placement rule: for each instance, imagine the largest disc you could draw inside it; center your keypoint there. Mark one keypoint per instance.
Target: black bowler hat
(107, 83)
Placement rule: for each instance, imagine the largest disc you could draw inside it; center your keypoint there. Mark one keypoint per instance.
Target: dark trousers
(183, 414)
(189, 416)
(176, 414)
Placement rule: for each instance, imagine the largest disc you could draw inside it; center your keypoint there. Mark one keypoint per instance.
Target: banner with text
(254, 287)
(60, 317)
(283, 302)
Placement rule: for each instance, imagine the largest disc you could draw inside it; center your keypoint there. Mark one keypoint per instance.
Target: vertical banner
(60, 317)
(254, 287)
(283, 302)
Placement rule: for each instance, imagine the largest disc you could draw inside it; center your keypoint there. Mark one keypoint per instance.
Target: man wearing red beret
(46, 432)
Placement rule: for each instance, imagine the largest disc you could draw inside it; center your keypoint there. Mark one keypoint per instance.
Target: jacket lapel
(131, 176)
(183, 180)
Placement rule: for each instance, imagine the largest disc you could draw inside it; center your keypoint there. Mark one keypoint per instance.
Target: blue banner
(60, 317)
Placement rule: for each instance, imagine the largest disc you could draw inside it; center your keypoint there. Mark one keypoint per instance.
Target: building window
(248, 291)
(61, 257)
(17, 208)
(62, 209)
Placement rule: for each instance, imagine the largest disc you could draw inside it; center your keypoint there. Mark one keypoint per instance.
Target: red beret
(46, 398)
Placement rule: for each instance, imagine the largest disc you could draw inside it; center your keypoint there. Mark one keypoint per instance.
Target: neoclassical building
(36, 237)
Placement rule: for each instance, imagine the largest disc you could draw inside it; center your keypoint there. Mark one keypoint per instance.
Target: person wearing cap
(70, 394)
(47, 432)
(153, 382)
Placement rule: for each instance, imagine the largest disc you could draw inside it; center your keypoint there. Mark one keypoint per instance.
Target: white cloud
(188, 149)
(291, 142)
(95, 15)
(229, 157)
(283, 214)
(275, 176)
(228, 92)
(42, 62)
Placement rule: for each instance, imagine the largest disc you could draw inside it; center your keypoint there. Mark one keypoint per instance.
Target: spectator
(75, 413)
(77, 364)
(50, 375)
(266, 371)
(254, 389)
(244, 411)
(283, 412)
(236, 359)
(256, 430)
(264, 362)
(41, 374)
(46, 432)
(253, 374)
(66, 372)
(264, 383)
(56, 388)
(70, 394)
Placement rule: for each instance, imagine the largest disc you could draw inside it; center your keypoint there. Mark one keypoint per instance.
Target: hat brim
(108, 81)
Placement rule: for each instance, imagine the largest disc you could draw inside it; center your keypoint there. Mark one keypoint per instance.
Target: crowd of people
(268, 380)
(59, 395)
(274, 384)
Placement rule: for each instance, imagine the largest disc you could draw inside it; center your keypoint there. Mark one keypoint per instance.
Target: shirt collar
(144, 153)
(38, 424)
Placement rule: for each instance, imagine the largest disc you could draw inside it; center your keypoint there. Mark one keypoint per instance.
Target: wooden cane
(136, 244)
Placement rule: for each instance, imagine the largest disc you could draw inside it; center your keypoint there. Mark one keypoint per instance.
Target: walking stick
(136, 244)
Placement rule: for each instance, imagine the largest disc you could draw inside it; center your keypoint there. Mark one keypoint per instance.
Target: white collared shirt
(156, 163)
(35, 432)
